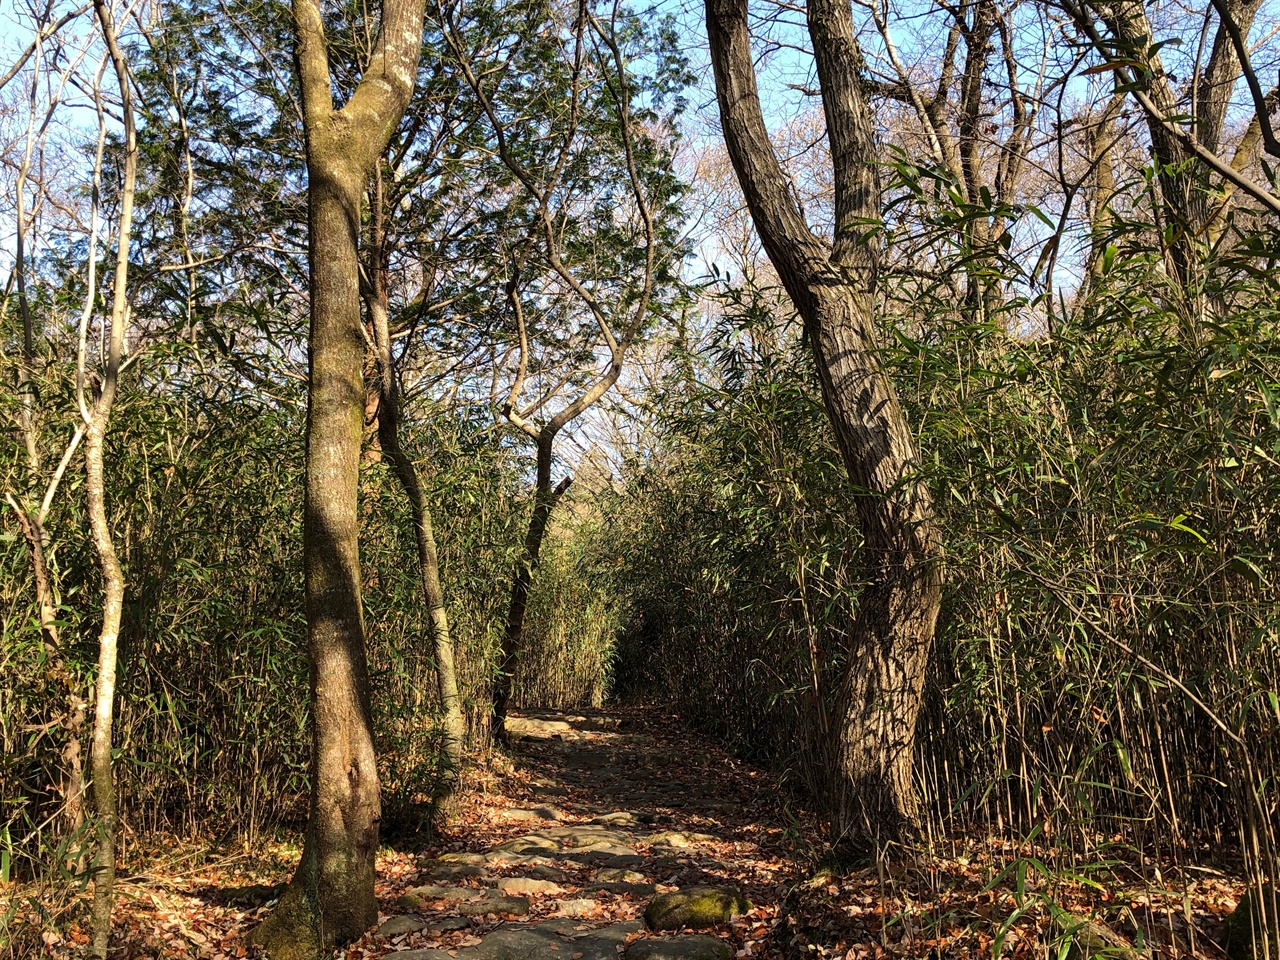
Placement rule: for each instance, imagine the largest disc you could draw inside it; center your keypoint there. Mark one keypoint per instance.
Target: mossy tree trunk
(330, 900)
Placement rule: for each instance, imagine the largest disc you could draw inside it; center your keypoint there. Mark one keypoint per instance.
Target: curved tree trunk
(545, 498)
(97, 421)
(330, 900)
(455, 729)
(833, 288)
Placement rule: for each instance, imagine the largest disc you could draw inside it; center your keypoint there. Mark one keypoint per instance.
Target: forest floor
(556, 850)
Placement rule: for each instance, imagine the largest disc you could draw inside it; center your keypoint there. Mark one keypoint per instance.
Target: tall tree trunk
(330, 900)
(104, 792)
(388, 414)
(833, 289)
(97, 423)
(617, 337)
(545, 498)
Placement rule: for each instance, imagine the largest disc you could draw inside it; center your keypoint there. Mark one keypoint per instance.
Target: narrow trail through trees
(623, 837)
(597, 822)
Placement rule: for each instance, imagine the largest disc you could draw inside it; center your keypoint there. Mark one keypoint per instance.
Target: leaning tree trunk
(833, 288)
(330, 900)
(388, 414)
(545, 498)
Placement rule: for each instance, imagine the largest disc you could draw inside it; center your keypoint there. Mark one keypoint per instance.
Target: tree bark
(330, 900)
(388, 414)
(833, 289)
(104, 792)
(1101, 141)
(1183, 187)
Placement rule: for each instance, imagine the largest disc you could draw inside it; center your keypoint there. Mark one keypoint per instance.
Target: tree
(330, 899)
(97, 419)
(587, 154)
(833, 287)
(39, 483)
(1186, 152)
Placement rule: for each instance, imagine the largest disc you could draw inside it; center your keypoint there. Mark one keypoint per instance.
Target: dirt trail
(611, 824)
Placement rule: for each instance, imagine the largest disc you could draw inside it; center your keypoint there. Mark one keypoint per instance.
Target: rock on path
(638, 850)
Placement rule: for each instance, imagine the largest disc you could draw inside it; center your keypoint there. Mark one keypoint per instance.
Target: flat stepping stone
(551, 842)
(526, 885)
(576, 908)
(536, 729)
(579, 834)
(679, 838)
(503, 858)
(547, 872)
(619, 875)
(600, 858)
(543, 941)
(622, 888)
(418, 897)
(679, 948)
(527, 844)
(445, 924)
(403, 924)
(533, 813)
(620, 817)
(695, 907)
(446, 870)
(475, 859)
(515, 906)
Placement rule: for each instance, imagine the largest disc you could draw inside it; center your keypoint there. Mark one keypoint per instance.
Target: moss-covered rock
(1244, 925)
(695, 907)
(405, 923)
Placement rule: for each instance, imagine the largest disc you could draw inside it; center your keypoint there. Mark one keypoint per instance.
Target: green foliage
(1109, 496)
(206, 505)
(575, 613)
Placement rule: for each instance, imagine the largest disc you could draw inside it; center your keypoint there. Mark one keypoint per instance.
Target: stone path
(625, 842)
